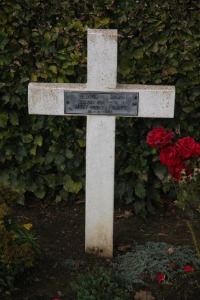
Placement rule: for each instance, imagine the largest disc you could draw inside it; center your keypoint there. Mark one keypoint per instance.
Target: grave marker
(101, 99)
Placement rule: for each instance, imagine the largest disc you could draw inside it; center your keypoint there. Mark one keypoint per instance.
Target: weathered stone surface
(154, 101)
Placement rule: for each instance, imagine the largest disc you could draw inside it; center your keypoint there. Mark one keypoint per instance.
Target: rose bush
(159, 137)
(174, 155)
(181, 156)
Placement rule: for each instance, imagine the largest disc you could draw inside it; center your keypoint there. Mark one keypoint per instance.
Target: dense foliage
(46, 41)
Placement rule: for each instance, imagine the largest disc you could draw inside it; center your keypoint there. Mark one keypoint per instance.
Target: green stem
(189, 224)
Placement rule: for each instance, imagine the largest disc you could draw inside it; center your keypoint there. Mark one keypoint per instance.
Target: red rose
(196, 150)
(159, 137)
(188, 268)
(179, 171)
(169, 156)
(188, 147)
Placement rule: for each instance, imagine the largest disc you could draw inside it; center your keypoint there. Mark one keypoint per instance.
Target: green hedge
(46, 41)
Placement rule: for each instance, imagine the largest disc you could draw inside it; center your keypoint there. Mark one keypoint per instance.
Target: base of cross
(101, 100)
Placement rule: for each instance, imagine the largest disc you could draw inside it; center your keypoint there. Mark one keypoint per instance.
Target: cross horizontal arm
(155, 101)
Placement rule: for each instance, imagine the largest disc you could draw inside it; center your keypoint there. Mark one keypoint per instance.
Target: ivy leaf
(138, 54)
(82, 143)
(53, 69)
(140, 190)
(77, 186)
(69, 154)
(49, 158)
(21, 150)
(160, 171)
(27, 138)
(129, 169)
(33, 77)
(40, 194)
(139, 207)
(59, 159)
(50, 180)
(58, 199)
(163, 39)
(188, 109)
(38, 139)
(4, 178)
(13, 118)
(64, 194)
(32, 187)
(69, 71)
(2, 84)
(47, 36)
(120, 189)
(68, 182)
(33, 150)
(71, 186)
(23, 42)
(3, 119)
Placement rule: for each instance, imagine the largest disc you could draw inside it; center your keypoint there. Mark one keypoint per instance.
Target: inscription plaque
(101, 103)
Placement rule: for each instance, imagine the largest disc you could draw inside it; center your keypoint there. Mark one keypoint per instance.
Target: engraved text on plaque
(101, 103)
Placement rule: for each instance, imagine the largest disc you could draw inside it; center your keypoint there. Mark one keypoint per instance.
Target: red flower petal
(169, 156)
(160, 277)
(159, 137)
(188, 268)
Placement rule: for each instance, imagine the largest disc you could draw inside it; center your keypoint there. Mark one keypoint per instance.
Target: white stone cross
(49, 99)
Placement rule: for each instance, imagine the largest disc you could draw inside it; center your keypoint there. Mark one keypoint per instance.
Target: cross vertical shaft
(100, 148)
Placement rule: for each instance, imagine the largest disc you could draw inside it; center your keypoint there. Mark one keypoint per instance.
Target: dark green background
(46, 41)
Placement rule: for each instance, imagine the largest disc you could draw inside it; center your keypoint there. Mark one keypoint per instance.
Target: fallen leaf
(127, 214)
(173, 266)
(124, 247)
(144, 295)
(161, 234)
(170, 250)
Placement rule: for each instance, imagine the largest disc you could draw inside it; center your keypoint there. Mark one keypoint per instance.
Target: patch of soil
(60, 230)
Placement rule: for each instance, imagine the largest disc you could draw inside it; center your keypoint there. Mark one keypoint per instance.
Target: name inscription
(101, 103)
